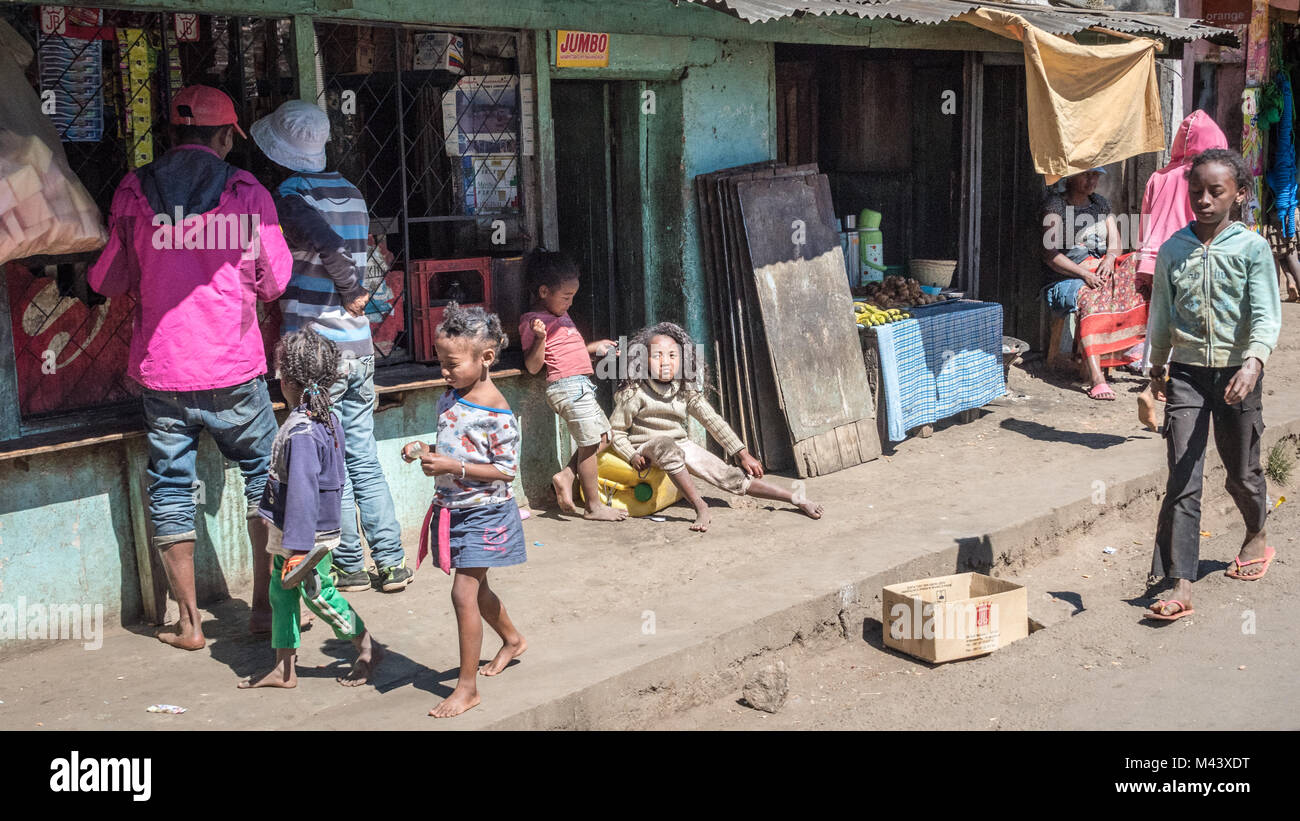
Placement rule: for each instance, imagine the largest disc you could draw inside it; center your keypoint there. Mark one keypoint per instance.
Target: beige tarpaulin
(1088, 105)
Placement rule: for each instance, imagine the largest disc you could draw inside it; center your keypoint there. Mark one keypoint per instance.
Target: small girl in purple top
(303, 501)
(476, 459)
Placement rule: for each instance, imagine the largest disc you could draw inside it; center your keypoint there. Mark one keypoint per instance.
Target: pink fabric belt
(444, 537)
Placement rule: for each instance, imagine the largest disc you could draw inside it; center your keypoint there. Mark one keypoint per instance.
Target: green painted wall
(65, 524)
(65, 521)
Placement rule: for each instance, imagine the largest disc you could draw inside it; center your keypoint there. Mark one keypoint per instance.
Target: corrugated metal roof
(1049, 18)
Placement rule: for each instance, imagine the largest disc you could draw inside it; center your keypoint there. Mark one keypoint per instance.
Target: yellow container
(639, 495)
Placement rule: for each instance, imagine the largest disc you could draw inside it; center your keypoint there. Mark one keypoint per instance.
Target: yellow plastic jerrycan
(623, 488)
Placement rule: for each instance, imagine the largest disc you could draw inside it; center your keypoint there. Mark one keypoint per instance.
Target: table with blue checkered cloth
(946, 359)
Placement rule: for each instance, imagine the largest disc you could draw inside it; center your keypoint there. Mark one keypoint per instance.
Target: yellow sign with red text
(581, 49)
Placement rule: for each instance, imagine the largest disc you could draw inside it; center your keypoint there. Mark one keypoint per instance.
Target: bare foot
(562, 484)
(503, 657)
(460, 700)
(703, 517)
(1178, 599)
(283, 675)
(372, 652)
(605, 513)
(812, 509)
(1254, 547)
(174, 635)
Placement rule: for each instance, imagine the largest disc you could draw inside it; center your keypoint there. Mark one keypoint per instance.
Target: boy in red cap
(196, 241)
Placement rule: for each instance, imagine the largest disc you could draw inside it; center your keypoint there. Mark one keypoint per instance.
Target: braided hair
(476, 324)
(312, 361)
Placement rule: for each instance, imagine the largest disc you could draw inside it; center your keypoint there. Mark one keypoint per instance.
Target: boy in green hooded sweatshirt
(1215, 318)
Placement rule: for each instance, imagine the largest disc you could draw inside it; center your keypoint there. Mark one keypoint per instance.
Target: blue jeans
(1062, 296)
(353, 396)
(240, 420)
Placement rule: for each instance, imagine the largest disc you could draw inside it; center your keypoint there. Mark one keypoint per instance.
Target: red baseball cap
(204, 105)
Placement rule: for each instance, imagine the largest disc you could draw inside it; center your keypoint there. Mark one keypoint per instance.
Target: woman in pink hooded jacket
(1165, 205)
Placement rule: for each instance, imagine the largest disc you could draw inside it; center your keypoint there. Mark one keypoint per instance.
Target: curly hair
(480, 326)
(312, 361)
(549, 268)
(1224, 156)
(692, 366)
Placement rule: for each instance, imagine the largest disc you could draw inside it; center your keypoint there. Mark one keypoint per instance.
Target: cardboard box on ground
(945, 618)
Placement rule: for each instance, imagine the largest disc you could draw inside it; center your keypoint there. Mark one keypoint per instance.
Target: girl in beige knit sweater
(649, 424)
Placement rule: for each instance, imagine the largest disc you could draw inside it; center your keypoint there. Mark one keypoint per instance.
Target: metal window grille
(431, 126)
(113, 87)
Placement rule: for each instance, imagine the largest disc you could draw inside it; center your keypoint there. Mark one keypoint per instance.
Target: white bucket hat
(294, 136)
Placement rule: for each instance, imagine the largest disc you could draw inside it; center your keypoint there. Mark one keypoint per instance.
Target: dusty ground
(1233, 664)
(751, 582)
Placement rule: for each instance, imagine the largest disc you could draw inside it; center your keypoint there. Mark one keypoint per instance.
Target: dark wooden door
(1011, 197)
(584, 198)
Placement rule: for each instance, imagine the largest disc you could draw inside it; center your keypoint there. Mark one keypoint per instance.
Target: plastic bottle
(871, 247)
(854, 260)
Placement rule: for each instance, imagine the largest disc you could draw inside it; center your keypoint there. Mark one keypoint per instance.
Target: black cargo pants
(1194, 397)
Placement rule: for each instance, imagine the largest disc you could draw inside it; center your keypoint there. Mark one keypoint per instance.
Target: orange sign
(1225, 12)
(581, 49)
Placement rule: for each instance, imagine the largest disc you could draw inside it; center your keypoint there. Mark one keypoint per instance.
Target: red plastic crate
(436, 282)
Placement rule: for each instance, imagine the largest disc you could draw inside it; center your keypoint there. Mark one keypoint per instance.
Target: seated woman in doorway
(1086, 273)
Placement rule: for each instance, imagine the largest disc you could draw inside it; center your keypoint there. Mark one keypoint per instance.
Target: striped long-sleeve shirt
(320, 214)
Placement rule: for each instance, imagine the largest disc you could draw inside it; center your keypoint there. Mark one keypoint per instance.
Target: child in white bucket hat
(327, 225)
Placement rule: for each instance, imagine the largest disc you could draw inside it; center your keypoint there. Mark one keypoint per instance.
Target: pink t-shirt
(566, 352)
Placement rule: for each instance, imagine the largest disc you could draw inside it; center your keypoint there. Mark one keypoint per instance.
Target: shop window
(434, 128)
(113, 74)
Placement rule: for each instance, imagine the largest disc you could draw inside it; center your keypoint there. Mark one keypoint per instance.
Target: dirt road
(1233, 664)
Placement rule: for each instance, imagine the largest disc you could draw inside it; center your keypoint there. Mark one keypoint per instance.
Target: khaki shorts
(573, 399)
(671, 455)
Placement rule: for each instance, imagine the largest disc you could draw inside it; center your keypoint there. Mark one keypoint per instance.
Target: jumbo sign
(581, 49)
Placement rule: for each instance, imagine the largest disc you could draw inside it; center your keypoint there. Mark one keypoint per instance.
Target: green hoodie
(1216, 305)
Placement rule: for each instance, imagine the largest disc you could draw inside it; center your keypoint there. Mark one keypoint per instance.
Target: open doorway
(586, 204)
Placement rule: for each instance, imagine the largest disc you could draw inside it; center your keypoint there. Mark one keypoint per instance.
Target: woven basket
(933, 272)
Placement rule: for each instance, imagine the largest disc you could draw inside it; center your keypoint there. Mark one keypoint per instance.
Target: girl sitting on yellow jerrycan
(649, 425)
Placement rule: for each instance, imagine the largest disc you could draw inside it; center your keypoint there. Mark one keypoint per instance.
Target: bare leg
(1097, 378)
(283, 674)
(562, 483)
(494, 613)
(369, 654)
(766, 490)
(703, 516)
(1291, 271)
(469, 626)
(596, 510)
(187, 633)
(260, 620)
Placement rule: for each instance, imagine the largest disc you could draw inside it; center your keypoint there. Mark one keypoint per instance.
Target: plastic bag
(44, 208)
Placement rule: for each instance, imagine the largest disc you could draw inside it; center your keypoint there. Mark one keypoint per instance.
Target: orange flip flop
(1158, 616)
(1269, 553)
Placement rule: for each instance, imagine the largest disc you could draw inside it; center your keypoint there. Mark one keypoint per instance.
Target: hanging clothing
(1088, 105)
(1282, 177)
(1165, 206)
